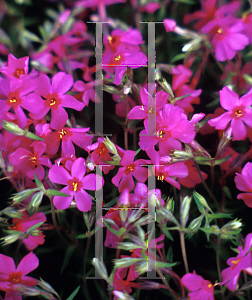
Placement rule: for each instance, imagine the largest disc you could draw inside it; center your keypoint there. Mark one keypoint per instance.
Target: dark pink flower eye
(130, 168)
(19, 72)
(15, 277)
(74, 184)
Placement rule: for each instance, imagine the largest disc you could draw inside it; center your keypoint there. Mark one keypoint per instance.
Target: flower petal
(58, 174)
(28, 263)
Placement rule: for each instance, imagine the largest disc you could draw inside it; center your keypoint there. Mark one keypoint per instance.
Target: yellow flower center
(118, 57)
(52, 102)
(160, 177)
(129, 169)
(161, 134)
(62, 133)
(238, 113)
(13, 100)
(33, 159)
(235, 262)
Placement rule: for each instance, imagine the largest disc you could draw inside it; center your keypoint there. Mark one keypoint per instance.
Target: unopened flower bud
(199, 149)
(110, 146)
(179, 155)
(201, 202)
(46, 287)
(11, 238)
(23, 195)
(28, 291)
(100, 268)
(36, 201)
(194, 225)
(184, 209)
(12, 128)
(127, 88)
(123, 212)
(169, 205)
(169, 24)
(227, 136)
(194, 44)
(11, 212)
(231, 228)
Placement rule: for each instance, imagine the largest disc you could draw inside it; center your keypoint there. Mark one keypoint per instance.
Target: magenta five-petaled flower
(199, 287)
(238, 113)
(243, 182)
(56, 98)
(11, 277)
(242, 262)
(123, 179)
(76, 184)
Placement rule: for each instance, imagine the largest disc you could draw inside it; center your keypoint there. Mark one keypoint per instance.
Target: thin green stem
(174, 295)
(183, 250)
(218, 263)
(85, 267)
(56, 224)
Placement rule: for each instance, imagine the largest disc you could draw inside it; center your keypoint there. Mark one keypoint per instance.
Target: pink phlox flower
(16, 67)
(238, 113)
(29, 162)
(228, 10)
(129, 40)
(122, 106)
(163, 170)
(76, 184)
(66, 161)
(12, 295)
(123, 278)
(130, 168)
(243, 182)
(11, 277)
(193, 177)
(186, 102)
(142, 194)
(56, 98)
(228, 37)
(118, 61)
(73, 37)
(199, 287)
(87, 91)
(203, 16)
(32, 240)
(142, 112)
(113, 214)
(100, 154)
(122, 50)
(44, 59)
(242, 262)
(247, 22)
(172, 128)
(18, 94)
(150, 7)
(181, 74)
(43, 129)
(92, 3)
(169, 24)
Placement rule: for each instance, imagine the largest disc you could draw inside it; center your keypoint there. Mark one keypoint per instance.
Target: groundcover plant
(125, 149)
